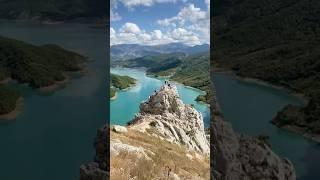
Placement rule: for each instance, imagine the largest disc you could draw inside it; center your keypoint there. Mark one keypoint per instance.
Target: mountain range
(130, 51)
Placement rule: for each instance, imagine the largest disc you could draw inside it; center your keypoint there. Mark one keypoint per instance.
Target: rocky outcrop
(119, 129)
(99, 169)
(162, 116)
(171, 119)
(238, 157)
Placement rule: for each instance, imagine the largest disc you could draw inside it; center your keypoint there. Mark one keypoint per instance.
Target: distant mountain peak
(130, 51)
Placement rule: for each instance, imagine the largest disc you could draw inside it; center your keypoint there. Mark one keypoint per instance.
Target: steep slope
(166, 140)
(276, 41)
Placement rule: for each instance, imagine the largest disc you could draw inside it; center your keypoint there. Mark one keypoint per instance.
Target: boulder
(119, 129)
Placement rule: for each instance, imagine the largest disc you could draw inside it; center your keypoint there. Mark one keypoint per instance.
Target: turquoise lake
(126, 105)
(250, 107)
(54, 134)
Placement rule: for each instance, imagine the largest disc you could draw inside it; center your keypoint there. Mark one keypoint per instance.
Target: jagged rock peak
(175, 121)
(162, 101)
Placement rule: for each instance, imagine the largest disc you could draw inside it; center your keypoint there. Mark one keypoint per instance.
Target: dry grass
(168, 159)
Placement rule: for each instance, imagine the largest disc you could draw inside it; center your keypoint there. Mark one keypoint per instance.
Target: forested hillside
(37, 66)
(277, 41)
(191, 70)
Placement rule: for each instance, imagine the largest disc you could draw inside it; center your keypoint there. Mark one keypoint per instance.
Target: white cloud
(130, 4)
(114, 16)
(190, 26)
(193, 19)
(157, 34)
(189, 13)
(130, 28)
(130, 33)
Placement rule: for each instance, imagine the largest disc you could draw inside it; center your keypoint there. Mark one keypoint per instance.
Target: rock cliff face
(237, 157)
(99, 169)
(165, 140)
(172, 119)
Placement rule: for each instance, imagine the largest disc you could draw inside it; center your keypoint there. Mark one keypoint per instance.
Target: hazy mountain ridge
(130, 51)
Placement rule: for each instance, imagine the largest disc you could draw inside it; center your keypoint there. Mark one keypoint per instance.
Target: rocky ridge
(166, 136)
(172, 120)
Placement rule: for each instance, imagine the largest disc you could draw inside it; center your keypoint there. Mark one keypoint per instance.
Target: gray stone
(119, 129)
(175, 121)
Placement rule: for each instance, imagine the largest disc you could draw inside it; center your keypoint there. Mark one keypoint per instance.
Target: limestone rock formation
(163, 120)
(119, 129)
(172, 120)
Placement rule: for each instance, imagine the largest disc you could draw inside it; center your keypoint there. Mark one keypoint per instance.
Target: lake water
(54, 133)
(250, 107)
(126, 105)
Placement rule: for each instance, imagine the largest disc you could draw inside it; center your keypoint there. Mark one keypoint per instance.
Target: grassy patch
(166, 156)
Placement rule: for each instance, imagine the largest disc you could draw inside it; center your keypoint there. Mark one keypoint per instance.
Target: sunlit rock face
(173, 120)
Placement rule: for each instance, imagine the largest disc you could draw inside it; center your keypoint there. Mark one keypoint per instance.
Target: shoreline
(291, 128)
(5, 81)
(114, 97)
(203, 93)
(14, 113)
(126, 89)
(295, 129)
(233, 74)
(161, 78)
(68, 77)
(55, 86)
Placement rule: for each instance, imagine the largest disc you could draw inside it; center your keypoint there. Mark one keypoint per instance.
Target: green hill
(120, 82)
(190, 70)
(277, 41)
(37, 66)
(8, 99)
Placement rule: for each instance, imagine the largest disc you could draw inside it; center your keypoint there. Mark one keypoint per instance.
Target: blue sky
(152, 22)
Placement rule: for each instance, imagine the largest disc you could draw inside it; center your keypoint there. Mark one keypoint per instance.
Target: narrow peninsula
(118, 82)
(45, 66)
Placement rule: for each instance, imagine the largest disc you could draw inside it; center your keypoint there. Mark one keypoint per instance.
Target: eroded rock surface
(172, 120)
(165, 116)
(99, 169)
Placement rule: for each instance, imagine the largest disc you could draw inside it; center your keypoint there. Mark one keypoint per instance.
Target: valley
(190, 69)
